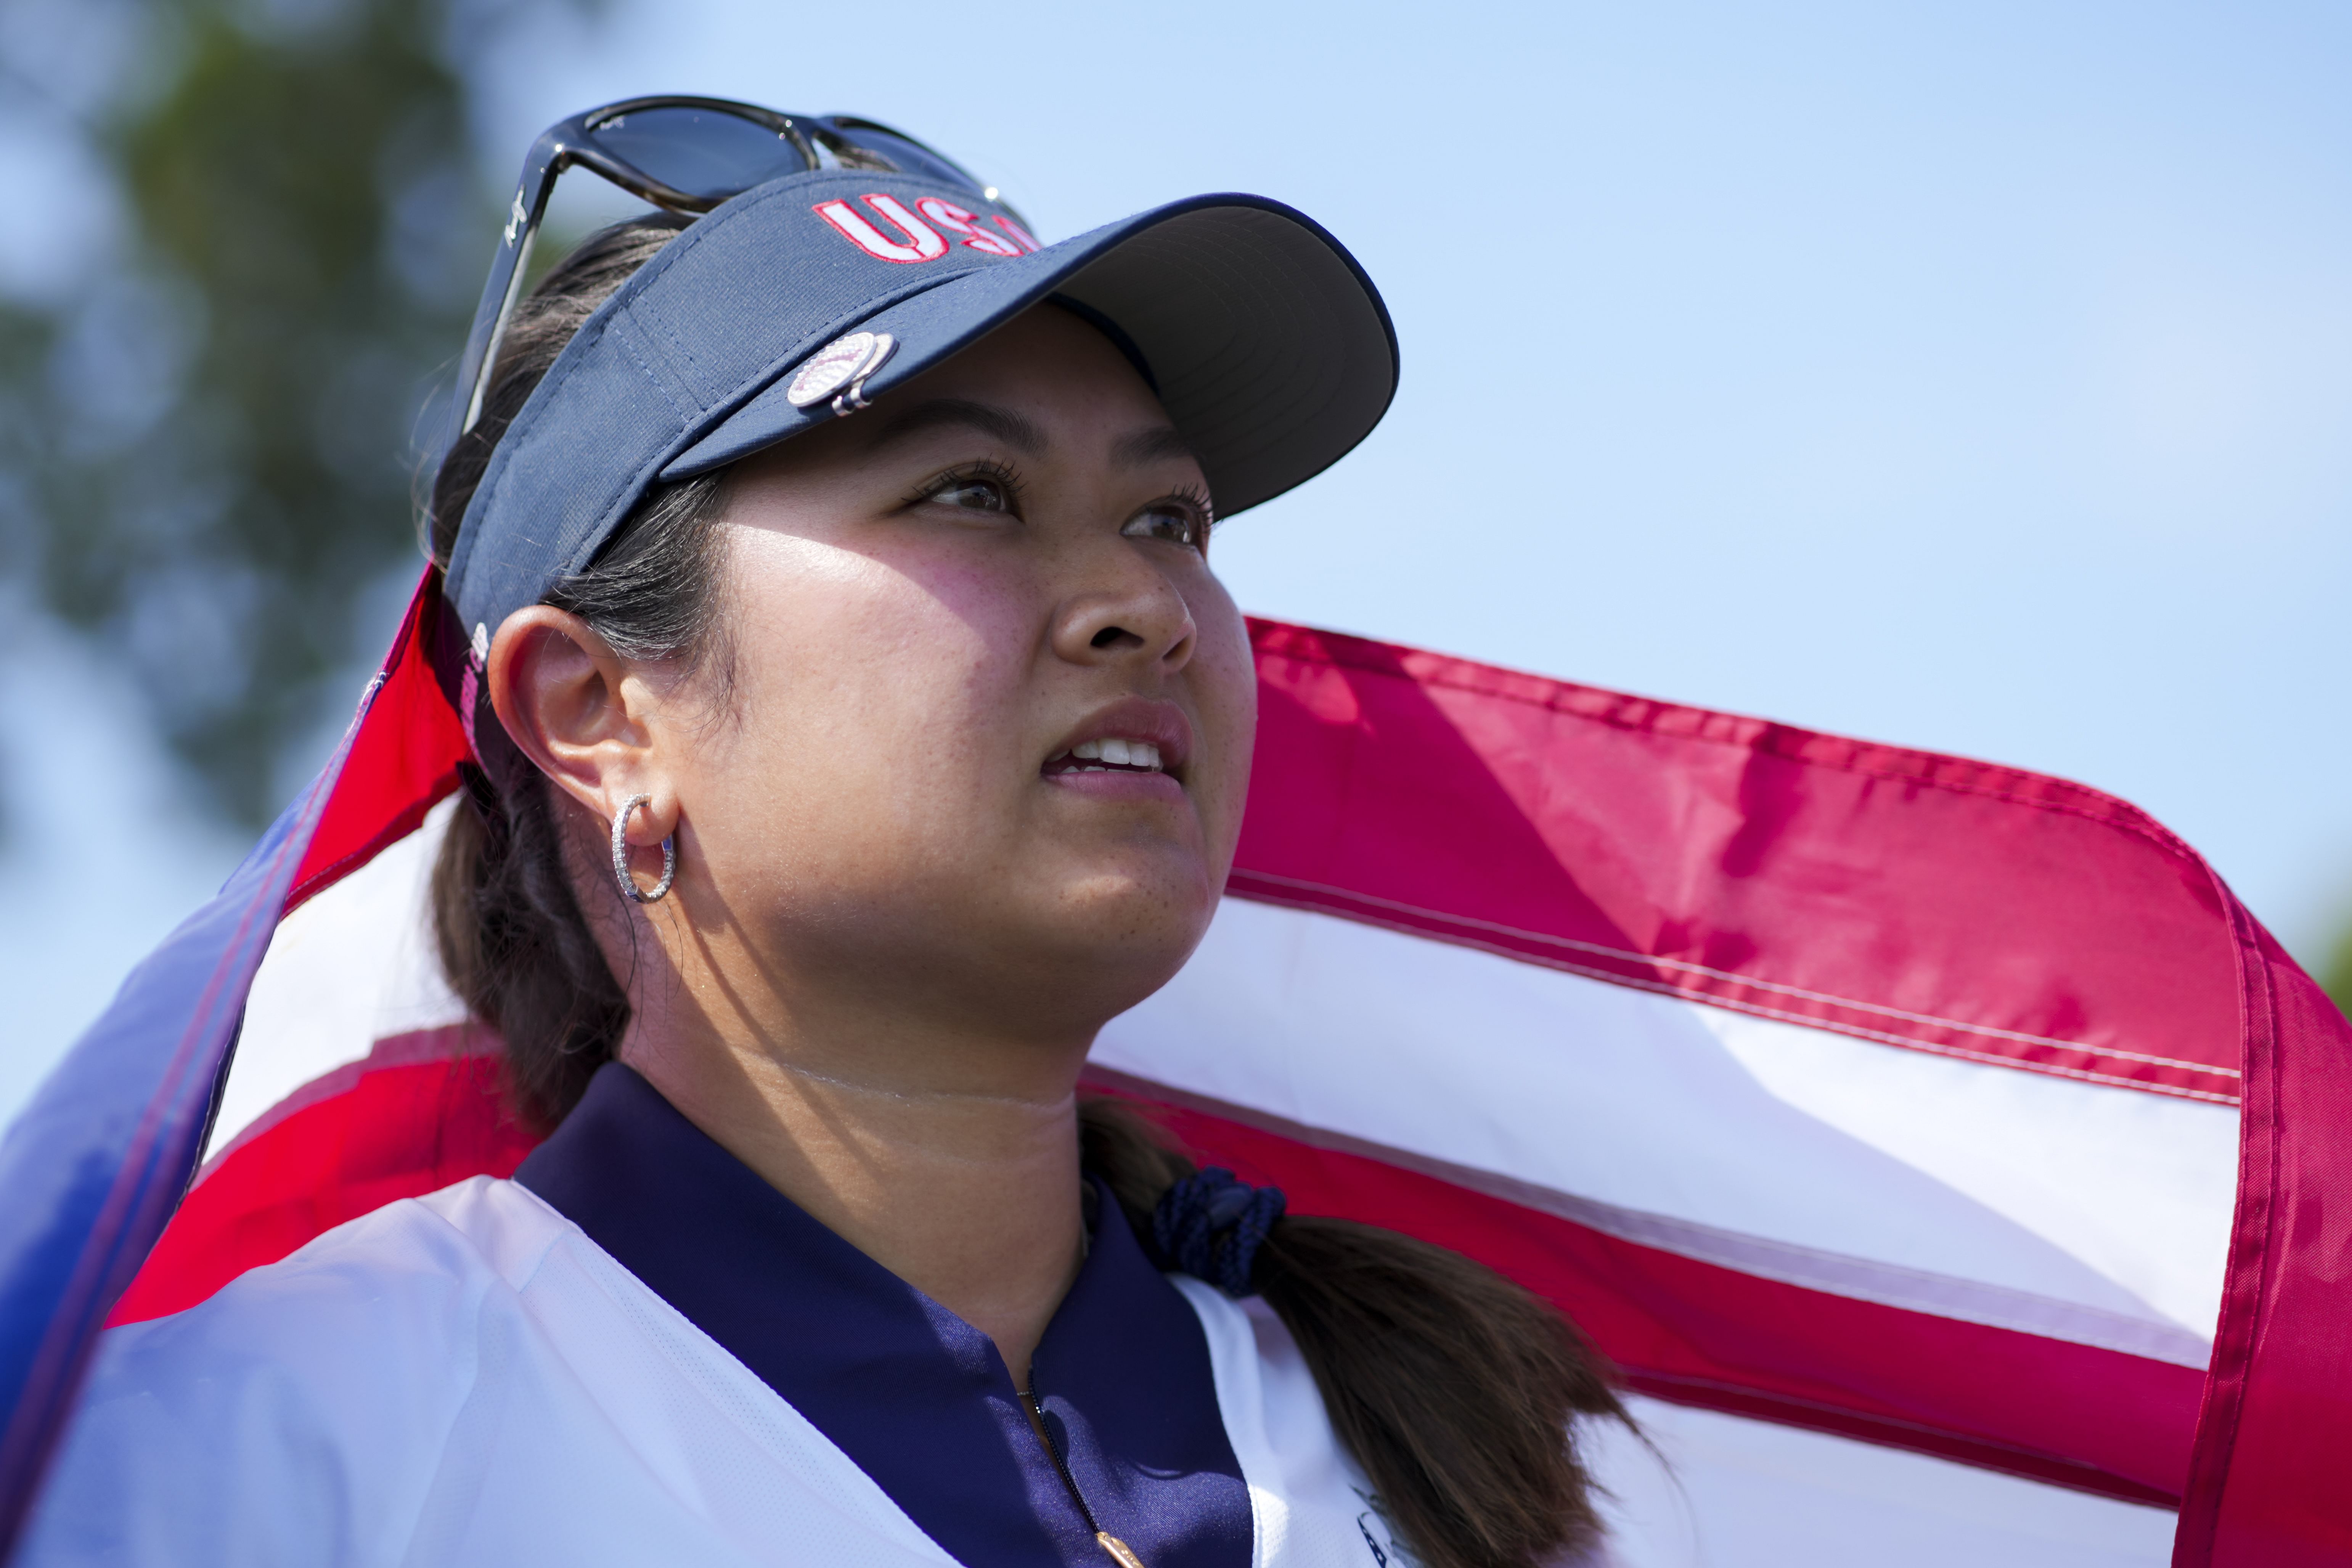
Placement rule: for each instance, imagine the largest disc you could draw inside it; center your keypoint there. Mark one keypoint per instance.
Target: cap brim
(1268, 346)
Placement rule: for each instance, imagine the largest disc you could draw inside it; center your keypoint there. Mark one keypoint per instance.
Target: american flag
(1940, 1151)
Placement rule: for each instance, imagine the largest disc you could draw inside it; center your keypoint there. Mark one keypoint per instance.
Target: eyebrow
(1135, 449)
(1157, 445)
(1001, 424)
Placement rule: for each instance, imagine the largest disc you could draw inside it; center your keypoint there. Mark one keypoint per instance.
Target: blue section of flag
(101, 1156)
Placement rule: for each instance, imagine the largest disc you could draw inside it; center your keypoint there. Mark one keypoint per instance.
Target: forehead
(1047, 355)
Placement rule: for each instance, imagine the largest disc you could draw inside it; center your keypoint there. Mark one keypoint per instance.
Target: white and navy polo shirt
(637, 1351)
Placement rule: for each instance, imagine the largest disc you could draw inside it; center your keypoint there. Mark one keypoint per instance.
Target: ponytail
(1454, 1389)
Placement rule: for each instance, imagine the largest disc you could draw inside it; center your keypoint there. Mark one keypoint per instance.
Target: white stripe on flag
(2079, 1212)
(1735, 1493)
(354, 966)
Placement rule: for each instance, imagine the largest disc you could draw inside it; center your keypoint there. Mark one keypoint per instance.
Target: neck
(948, 1158)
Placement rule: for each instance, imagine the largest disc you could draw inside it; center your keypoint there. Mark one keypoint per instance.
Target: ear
(574, 708)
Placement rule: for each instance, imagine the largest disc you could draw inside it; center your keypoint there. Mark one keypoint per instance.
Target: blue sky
(1975, 377)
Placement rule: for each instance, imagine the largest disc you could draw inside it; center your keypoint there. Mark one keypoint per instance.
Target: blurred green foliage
(2336, 974)
(206, 449)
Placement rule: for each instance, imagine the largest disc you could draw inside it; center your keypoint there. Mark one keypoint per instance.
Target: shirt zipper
(1120, 1552)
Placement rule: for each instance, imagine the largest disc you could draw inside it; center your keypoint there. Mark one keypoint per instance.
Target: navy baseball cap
(799, 300)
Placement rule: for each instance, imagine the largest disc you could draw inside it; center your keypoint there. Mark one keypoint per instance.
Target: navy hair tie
(1212, 1208)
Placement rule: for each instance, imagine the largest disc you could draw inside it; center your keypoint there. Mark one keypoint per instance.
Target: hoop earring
(629, 888)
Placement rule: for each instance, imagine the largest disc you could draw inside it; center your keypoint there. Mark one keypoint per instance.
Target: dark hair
(514, 941)
(1456, 1390)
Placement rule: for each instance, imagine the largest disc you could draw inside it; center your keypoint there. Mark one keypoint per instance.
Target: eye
(974, 490)
(1179, 519)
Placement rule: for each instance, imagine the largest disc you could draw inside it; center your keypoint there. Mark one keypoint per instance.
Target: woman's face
(988, 732)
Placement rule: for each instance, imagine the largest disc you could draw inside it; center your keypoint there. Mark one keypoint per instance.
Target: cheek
(863, 688)
(1225, 679)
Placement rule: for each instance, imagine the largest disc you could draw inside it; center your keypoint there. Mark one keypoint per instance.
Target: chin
(1130, 934)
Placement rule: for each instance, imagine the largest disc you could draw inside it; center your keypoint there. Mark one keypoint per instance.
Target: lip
(1130, 719)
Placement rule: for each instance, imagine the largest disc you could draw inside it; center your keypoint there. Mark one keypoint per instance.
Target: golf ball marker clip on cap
(842, 363)
(1268, 346)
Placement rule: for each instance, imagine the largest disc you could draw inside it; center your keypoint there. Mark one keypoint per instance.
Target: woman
(860, 726)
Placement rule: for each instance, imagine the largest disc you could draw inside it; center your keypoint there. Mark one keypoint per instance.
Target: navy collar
(916, 1397)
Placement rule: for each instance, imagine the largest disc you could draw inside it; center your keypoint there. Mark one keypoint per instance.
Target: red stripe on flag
(404, 759)
(1701, 1335)
(2272, 1482)
(421, 1114)
(1921, 900)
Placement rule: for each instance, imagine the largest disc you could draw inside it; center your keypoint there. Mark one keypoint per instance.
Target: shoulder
(300, 1411)
(462, 1379)
(410, 1281)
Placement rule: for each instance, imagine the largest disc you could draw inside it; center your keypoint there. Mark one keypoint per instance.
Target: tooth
(1115, 751)
(1086, 751)
(1144, 754)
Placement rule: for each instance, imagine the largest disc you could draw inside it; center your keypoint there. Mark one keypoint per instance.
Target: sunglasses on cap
(685, 154)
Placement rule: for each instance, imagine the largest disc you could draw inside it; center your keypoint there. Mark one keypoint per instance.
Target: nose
(1126, 613)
